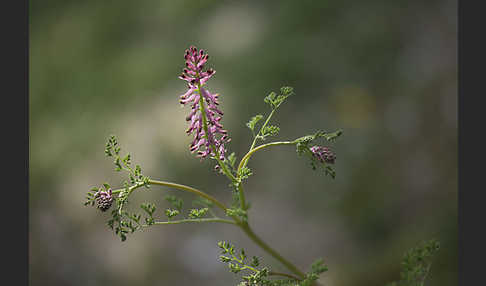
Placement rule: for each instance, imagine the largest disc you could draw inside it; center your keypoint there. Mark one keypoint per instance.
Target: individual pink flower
(210, 141)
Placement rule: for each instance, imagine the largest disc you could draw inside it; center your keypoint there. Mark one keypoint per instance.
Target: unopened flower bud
(104, 200)
(323, 154)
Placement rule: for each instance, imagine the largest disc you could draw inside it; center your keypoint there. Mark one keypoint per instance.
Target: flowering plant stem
(243, 225)
(209, 140)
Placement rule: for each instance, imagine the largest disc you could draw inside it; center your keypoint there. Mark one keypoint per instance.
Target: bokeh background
(383, 71)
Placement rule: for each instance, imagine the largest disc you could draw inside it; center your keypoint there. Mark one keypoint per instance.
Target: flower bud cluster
(104, 199)
(323, 154)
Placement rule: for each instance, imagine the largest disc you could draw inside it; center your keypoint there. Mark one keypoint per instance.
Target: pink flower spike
(210, 141)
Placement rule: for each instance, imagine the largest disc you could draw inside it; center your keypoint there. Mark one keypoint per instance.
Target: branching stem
(245, 159)
(191, 190)
(259, 131)
(244, 162)
(243, 225)
(179, 187)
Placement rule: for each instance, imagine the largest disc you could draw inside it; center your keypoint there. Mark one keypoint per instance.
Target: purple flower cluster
(104, 199)
(204, 140)
(323, 154)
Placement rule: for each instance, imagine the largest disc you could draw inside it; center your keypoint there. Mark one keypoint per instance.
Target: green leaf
(138, 170)
(318, 266)
(270, 130)
(270, 98)
(224, 259)
(171, 213)
(126, 159)
(148, 208)
(332, 136)
(416, 264)
(223, 245)
(244, 173)
(287, 90)
(328, 170)
(242, 254)
(329, 136)
(255, 261)
(149, 221)
(197, 213)
(253, 121)
(237, 211)
(275, 100)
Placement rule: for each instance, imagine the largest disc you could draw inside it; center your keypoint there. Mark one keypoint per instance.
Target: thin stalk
(259, 131)
(243, 225)
(179, 187)
(130, 189)
(248, 155)
(246, 228)
(191, 190)
(241, 196)
(193, 220)
(243, 163)
(244, 160)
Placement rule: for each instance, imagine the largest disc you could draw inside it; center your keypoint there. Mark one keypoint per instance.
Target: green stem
(260, 131)
(246, 228)
(244, 161)
(179, 187)
(241, 193)
(248, 155)
(240, 261)
(243, 225)
(191, 190)
(241, 196)
(193, 220)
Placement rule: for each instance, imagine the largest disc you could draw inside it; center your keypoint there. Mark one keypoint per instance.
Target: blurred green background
(383, 71)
